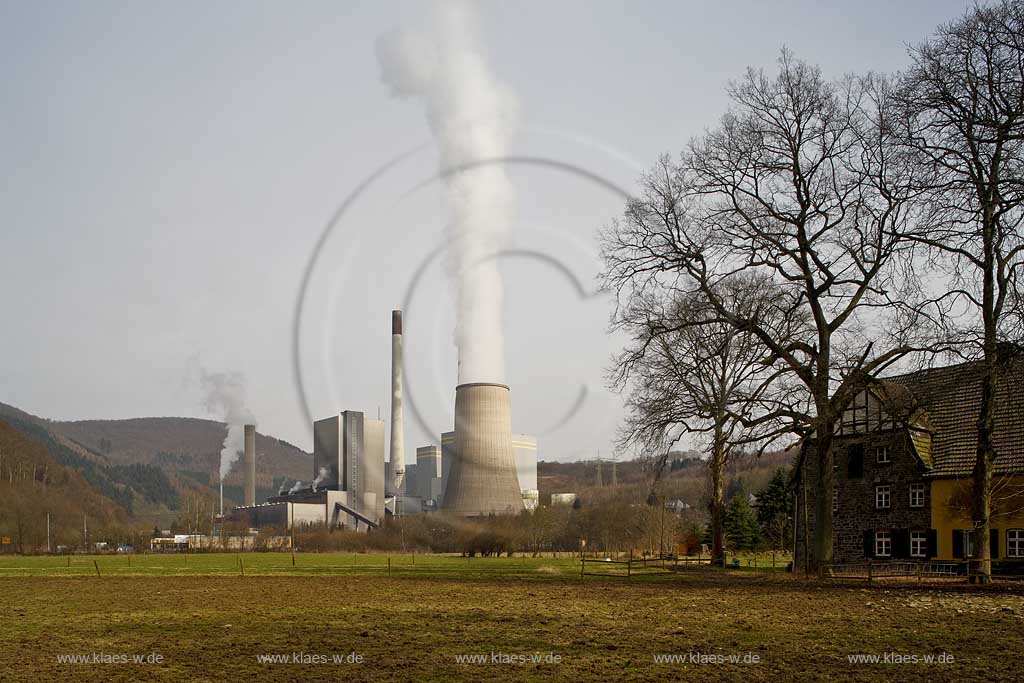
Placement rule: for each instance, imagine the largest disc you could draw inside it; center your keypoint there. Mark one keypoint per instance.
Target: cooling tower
(249, 465)
(397, 439)
(482, 479)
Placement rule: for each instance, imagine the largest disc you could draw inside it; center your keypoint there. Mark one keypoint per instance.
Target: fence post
(389, 566)
(95, 564)
(583, 566)
(629, 566)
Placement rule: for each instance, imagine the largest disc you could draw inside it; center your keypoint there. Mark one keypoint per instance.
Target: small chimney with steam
(249, 465)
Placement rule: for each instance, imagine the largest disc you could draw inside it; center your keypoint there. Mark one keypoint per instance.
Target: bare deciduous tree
(962, 116)
(689, 372)
(794, 186)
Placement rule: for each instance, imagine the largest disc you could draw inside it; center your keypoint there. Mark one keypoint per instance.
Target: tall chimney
(483, 479)
(397, 439)
(249, 465)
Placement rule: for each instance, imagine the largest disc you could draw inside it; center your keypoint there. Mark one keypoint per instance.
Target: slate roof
(946, 403)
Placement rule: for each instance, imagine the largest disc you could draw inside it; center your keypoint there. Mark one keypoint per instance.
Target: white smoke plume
(319, 478)
(224, 395)
(471, 117)
(295, 487)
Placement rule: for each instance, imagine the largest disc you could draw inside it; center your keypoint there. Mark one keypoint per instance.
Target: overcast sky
(167, 169)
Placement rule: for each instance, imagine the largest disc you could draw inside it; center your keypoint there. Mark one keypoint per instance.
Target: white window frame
(920, 488)
(883, 494)
(883, 544)
(1015, 542)
(920, 539)
(968, 543)
(879, 452)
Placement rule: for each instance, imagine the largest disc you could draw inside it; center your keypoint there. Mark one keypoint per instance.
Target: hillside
(188, 446)
(684, 478)
(155, 469)
(34, 484)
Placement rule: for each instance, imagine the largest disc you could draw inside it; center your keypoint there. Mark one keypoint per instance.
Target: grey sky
(167, 168)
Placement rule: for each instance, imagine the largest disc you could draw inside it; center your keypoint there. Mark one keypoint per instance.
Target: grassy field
(208, 623)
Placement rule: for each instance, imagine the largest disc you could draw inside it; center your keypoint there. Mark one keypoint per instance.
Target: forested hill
(153, 469)
(34, 484)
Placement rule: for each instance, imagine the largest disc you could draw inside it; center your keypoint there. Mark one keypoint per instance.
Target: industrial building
(347, 490)
(427, 480)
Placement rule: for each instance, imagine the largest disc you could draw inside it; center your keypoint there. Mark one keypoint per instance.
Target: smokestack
(483, 479)
(249, 465)
(397, 439)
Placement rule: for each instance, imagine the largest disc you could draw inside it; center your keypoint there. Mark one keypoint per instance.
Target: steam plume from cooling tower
(224, 395)
(471, 118)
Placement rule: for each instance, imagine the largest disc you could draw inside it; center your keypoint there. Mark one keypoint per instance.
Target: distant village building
(903, 456)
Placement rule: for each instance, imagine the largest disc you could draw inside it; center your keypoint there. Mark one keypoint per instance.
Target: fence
(664, 563)
(872, 571)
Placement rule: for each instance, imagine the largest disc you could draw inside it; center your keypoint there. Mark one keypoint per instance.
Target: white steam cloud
(320, 477)
(224, 395)
(471, 116)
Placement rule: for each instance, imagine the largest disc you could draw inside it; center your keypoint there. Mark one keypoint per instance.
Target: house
(903, 455)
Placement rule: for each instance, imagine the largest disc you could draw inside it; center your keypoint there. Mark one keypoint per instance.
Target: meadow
(447, 618)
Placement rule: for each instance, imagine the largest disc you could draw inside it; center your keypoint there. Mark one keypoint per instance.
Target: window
(882, 495)
(918, 543)
(917, 495)
(1015, 542)
(882, 454)
(855, 461)
(835, 500)
(883, 544)
(968, 543)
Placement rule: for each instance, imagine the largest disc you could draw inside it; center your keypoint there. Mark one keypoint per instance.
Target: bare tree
(689, 372)
(962, 115)
(794, 186)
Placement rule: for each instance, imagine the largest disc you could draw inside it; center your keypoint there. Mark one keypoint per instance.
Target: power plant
(479, 469)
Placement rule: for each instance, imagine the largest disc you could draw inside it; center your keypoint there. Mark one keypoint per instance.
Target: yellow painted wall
(946, 517)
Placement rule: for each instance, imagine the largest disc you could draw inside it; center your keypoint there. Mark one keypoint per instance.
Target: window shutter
(869, 543)
(901, 543)
(933, 544)
(855, 461)
(993, 543)
(958, 544)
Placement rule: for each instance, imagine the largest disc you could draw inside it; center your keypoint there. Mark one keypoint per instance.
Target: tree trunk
(717, 503)
(981, 558)
(821, 558)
